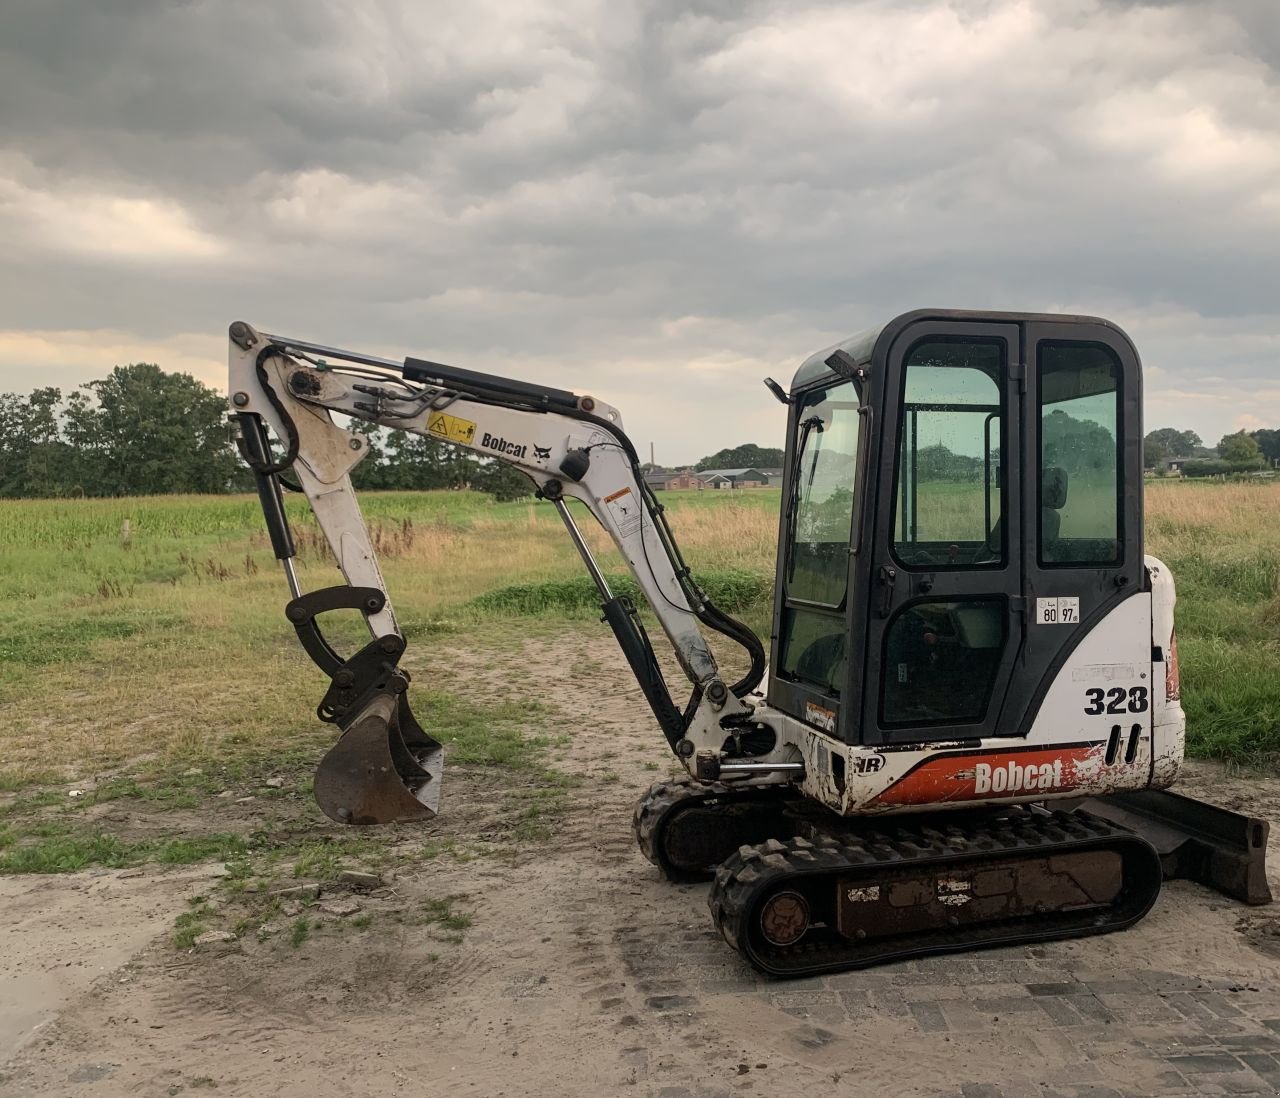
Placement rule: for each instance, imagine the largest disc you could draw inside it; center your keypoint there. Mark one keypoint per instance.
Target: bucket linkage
(384, 767)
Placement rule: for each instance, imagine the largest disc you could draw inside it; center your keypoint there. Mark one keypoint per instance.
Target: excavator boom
(384, 766)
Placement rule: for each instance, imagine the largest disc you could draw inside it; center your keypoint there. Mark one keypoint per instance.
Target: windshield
(822, 490)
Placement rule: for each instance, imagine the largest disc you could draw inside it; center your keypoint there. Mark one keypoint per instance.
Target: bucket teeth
(384, 767)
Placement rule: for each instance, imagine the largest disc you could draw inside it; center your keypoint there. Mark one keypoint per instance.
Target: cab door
(945, 608)
(814, 610)
(1082, 525)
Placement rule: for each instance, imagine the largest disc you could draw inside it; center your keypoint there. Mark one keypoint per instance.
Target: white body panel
(1065, 753)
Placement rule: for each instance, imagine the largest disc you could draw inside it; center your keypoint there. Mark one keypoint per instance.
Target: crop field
(143, 639)
(115, 614)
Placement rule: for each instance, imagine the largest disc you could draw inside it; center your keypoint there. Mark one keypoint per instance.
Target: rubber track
(665, 800)
(746, 877)
(655, 803)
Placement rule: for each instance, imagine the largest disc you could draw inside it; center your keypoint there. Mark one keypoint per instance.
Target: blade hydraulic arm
(571, 447)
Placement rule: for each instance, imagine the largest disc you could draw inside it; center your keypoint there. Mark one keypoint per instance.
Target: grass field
(105, 602)
(143, 638)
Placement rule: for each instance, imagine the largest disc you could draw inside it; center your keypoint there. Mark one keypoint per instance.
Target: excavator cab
(962, 496)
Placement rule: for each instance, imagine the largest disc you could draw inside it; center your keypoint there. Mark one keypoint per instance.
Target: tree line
(746, 456)
(143, 431)
(1240, 452)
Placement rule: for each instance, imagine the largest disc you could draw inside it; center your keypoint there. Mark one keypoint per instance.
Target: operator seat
(1053, 495)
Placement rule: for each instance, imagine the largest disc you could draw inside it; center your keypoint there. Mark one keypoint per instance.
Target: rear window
(1080, 487)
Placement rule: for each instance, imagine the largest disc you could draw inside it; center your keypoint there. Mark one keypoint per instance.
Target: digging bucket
(383, 768)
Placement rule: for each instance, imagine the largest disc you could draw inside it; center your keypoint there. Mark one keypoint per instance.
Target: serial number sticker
(453, 428)
(625, 510)
(1064, 610)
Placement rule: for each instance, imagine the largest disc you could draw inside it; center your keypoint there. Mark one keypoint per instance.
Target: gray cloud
(641, 199)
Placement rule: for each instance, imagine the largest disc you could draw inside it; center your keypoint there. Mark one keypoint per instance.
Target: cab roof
(861, 347)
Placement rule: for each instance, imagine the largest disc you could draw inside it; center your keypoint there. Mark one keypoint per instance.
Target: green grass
(166, 661)
(66, 854)
(299, 933)
(59, 847)
(1221, 542)
(486, 734)
(190, 924)
(440, 913)
(732, 590)
(24, 643)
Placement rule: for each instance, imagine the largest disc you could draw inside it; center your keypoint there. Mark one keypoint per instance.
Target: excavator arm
(384, 766)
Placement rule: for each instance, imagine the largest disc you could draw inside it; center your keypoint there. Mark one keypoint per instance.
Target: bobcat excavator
(970, 712)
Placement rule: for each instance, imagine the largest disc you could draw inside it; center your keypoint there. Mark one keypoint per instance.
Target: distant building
(775, 477)
(735, 478)
(667, 480)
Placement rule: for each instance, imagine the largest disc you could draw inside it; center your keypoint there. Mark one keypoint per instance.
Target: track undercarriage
(798, 891)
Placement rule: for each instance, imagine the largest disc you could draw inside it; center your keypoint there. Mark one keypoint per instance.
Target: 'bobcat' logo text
(502, 446)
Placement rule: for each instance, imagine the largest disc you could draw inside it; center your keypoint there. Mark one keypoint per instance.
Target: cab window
(949, 496)
(1080, 489)
(822, 489)
(820, 528)
(941, 660)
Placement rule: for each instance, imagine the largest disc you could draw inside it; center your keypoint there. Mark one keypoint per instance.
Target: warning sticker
(453, 428)
(1059, 611)
(625, 509)
(823, 717)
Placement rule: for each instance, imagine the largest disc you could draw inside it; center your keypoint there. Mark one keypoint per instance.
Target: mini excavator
(965, 731)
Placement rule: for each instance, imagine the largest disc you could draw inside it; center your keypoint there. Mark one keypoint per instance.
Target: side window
(1080, 490)
(950, 494)
(940, 662)
(822, 496)
(813, 649)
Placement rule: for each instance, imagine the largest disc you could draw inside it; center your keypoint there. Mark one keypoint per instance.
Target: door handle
(888, 577)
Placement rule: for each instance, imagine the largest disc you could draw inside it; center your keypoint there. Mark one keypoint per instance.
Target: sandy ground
(585, 974)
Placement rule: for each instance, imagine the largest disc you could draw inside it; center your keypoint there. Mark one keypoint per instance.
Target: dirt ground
(586, 974)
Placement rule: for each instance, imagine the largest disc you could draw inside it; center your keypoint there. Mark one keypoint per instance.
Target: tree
(1154, 452)
(1241, 452)
(501, 481)
(408, 462)
(938, 462)
(1205, 467)
(138, 431)
(154, 432)
(1268, 441)
(746, 456)
(33, 456)
(1081, 447)
(1178, 443)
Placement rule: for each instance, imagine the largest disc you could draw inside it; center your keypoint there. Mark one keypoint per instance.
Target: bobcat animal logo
(541, 453)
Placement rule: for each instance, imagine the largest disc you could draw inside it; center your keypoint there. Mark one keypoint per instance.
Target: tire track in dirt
(584, 973)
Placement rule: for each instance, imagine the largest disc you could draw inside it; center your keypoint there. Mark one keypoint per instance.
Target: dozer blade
(1197, 841)
(383, 768)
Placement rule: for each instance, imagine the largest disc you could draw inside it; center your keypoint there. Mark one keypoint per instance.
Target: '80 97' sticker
(1063, 610)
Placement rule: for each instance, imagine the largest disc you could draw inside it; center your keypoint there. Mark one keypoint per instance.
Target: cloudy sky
(657, 202)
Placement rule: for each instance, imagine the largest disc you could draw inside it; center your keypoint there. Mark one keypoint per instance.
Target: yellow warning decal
(453, 428)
